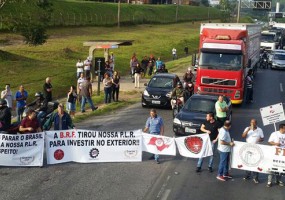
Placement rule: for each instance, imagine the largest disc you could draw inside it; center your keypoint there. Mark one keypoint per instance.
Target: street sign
(272, 114)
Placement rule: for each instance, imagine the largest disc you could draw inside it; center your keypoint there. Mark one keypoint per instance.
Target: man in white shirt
(253, 135)
(79, 66)
(277, 138)
(224, 147)
(8, 96)
(174, 53)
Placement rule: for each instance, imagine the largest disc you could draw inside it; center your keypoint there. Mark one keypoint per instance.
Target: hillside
(78, 13)
(28, 65)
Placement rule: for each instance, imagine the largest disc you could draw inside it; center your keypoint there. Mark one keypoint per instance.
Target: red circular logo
(58, 154)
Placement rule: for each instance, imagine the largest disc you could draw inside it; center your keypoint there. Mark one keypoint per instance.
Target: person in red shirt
(30, 123)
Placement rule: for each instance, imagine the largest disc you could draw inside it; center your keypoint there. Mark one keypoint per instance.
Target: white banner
(194, 146)
(157, 144)
(272, 114)
(258, 158)
(22, 149)
(86, 146)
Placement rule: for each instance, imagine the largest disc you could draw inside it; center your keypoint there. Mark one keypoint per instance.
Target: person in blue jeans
(86, 93)
(154, 125)
(107, 82)
(211, 127)
(224, 147)
(21, 97)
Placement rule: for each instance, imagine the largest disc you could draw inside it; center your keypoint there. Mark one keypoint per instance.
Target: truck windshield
(222, 61)
(267, 38)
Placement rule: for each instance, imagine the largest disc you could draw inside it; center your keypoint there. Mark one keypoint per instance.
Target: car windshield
(267, 38)
(200, 105)
(279, 57)
(222, 61)
(161, 82)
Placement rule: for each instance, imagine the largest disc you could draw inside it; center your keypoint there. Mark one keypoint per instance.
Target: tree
(32, 26)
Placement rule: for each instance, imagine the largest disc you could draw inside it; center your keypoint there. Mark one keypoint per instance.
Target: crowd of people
(147, 66)
(30, 118)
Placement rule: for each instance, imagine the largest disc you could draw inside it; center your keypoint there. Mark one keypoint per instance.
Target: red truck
(226, 53)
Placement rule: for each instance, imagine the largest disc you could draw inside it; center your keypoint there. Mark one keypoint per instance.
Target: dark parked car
(158, 90)
(190, 118)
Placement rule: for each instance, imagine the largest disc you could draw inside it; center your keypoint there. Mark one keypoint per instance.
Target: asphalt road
(174, 178)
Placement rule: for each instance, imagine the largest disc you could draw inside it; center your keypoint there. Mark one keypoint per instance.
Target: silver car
(278, 60)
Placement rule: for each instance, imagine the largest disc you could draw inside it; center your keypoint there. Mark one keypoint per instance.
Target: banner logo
(251, 155)
(159, 143)
(27, 160)
(94, 153)
(194, 144)
(131, 153)
(58, 154)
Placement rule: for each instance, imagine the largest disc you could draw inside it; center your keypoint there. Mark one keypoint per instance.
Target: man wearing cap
(61, 120)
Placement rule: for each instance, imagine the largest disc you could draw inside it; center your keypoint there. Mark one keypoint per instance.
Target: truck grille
(217, 90)
(218, 81)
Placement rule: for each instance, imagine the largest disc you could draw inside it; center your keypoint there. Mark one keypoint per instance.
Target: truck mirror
(249, 63)
(193, 59)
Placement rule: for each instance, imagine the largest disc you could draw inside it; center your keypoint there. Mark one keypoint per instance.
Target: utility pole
(238, 11)
(176, 17)
(99, 77)
(119, 12)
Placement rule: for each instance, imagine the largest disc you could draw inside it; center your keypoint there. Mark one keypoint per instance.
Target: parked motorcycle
(52, 106)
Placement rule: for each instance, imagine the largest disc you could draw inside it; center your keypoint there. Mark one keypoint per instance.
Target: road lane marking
(161, 191)
(166, 194)
(281, 87)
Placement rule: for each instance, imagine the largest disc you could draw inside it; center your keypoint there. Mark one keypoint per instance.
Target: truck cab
(269, 41)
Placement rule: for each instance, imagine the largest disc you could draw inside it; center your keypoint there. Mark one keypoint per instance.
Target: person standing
(107, 82)
(151, 63)
(7, 94)
(158, 64)
(249, 86)
(5, 115)
(71, 101)
(174, 54)
(21, 97)
(86, 93)
(277, 139)
(137, 75)
(112, 61)
(30, 123)
(155, 126)
(221, 109)
(79, 66)
(211, 127)
(79, 86)
(224, 147)
(87, 67)
(60, 119)
(144, 64)
(47, 88)
(133, 64)
(253, 135)
(116, 86)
